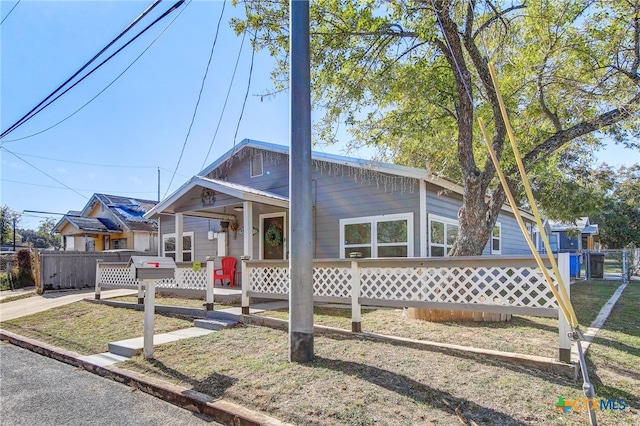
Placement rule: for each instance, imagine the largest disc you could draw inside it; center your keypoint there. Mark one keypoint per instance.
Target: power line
(224, 106)
(93, 191)
(112, 82)
(35, 109)
(45, 173)
(195, 110)
(246, 95)
(5, 18)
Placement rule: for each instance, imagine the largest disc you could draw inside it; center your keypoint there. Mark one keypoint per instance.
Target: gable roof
(128, 213)
(241, 192)
(376, 166)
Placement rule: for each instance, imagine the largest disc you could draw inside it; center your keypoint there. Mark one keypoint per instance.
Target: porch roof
(95, 225)
(189, 199)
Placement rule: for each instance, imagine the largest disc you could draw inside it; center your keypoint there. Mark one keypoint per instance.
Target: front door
(273, 236)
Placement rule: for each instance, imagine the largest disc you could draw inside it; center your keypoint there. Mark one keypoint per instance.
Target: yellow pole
(516, 212)
(534, 209)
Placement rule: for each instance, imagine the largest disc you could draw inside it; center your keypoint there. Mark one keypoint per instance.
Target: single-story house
(568, 237)
(109, 222)
(239, 206)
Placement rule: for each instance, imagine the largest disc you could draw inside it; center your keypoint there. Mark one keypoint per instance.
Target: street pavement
(49, 300)
(37, 390)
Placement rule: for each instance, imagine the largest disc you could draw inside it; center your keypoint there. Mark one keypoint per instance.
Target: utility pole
(300, 204)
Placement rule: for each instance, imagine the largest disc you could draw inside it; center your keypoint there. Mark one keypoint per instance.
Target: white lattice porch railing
(111, 274)
(495, 282)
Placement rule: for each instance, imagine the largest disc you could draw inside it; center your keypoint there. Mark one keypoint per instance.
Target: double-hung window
(169, 246)
(496, 239)
(443, 232)
(377, 236)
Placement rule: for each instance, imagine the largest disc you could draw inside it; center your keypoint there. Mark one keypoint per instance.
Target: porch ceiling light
(238, 208)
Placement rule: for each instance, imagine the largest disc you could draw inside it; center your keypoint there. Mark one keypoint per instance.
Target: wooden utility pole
(300, 204)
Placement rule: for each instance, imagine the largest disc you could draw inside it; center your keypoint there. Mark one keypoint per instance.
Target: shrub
(25, 276)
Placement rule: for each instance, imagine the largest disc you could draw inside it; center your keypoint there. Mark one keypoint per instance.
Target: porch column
(179, 232)
(247, 223)
(423, 219)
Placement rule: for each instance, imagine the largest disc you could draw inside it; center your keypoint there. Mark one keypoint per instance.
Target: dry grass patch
(87, 328)
(177, 301)
(523, 334)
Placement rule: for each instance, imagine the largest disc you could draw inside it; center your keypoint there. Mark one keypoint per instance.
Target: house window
(554, 240)
(443, 232)
(256, 164)
(377, 236)
(496, 239)
(119, 243)
(169, 246)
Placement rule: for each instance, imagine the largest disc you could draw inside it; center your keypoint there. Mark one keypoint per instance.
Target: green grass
(17, 297)
(353, 381)
(523, 334)
(87, 328)
(178, 301)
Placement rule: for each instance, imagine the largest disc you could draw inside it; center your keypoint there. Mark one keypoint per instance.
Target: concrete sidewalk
(52, 299)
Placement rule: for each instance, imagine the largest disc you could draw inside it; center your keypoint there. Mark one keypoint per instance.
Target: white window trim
(184, 234)
(373, 220)
(499, 238)
(251, 158)
(446, 221)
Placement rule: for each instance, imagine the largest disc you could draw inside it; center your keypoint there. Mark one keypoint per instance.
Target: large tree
(411, 78)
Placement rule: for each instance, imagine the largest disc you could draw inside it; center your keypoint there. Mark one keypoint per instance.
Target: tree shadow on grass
(606, 391)
(213, 385)
(417, 391)
(536, 372)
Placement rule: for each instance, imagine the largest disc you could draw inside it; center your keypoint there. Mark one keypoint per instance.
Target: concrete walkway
(52, 299)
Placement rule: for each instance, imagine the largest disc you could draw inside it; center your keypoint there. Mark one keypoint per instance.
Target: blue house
(239, 206)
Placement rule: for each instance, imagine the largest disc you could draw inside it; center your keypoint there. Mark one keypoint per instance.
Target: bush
(25, 276)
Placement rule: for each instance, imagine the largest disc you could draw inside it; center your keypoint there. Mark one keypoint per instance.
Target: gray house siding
(339, 192)
(338, 197)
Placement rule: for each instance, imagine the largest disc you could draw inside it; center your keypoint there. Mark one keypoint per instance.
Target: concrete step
(104, 359)
(132, 347)
(214, 323)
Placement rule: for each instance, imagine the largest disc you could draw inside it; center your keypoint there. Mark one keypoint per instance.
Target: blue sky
(116, 143)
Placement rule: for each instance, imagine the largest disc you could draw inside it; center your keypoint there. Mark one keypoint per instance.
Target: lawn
(361, 382)
(178, 301)
(87, 328)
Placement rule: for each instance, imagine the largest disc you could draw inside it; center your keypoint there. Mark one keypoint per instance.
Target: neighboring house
(568, 237)
(109, 222)
(371, 208)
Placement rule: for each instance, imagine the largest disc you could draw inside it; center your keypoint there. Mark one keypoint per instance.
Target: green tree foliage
(619, 217)
(411, 78)
(8, 216)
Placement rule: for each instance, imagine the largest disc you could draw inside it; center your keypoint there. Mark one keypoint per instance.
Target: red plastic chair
(228, 271)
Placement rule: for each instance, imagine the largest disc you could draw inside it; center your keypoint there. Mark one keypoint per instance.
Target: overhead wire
(77, 189)
(246, 95)
(195, 110)
(224, 106)
(5, 18)
(44, 173)
(33, 111)
(109, 85)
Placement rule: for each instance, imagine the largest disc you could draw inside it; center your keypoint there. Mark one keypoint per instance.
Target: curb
(218, 409)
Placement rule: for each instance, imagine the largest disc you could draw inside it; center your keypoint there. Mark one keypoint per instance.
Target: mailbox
(151, 267)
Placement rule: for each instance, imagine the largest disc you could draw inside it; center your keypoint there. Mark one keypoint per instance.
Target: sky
(144, 119)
